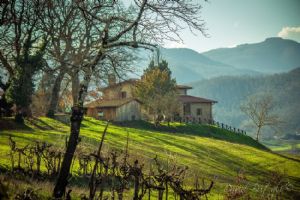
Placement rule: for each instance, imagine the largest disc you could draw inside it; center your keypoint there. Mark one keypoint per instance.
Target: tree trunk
(167, 190)
(19, 116)
(55, 94)
(75, 87)
(258, 132)
(136, 187)
(76, 118)
(160, 194)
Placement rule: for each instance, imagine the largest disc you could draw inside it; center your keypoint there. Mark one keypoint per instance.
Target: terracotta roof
(92, 104)
(193, 99)
(183, 87)
(101, 103)
(121, 83)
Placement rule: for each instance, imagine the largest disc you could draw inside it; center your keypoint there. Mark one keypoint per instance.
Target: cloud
(232, 46)
(290, 33)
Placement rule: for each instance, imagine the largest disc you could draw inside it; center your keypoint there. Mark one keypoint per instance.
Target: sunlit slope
(209, 151)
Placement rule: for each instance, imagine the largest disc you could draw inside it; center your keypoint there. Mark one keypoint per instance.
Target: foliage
(21, 86)
(157, 91)
(23, 55)
(5, 106)
(163, 66)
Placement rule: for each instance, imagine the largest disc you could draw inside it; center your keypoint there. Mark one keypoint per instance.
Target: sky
(233, 22)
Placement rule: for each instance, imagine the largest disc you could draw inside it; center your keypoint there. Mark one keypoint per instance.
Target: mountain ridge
(269, 56)
(273, 55)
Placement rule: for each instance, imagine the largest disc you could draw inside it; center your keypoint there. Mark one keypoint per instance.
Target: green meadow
(209, 152)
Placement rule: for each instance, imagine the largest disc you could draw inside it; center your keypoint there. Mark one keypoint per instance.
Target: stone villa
(119, 104)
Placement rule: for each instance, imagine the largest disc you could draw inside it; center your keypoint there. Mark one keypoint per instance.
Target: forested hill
(231, 91)
(273, 55)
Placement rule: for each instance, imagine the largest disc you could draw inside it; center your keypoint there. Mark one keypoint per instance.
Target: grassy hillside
(208, 151)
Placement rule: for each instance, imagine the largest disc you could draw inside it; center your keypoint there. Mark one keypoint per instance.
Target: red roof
(102, 103)
(193, 99)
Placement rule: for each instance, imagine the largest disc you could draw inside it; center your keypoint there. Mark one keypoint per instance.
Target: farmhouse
(119, 104)
(195, 109)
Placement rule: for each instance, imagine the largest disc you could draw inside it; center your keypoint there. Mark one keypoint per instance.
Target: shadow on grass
(10, 124)
(40, 124)
(223, 163)
(287, 157)
(196, 130)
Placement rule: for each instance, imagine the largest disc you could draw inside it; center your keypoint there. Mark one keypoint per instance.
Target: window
(123, 95)
(132, 117)
(100, 114)
(199, 111)
(187, 109)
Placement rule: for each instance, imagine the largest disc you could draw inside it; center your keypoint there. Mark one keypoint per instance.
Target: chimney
(111, 79)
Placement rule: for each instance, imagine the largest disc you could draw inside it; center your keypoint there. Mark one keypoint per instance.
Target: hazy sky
(233, 22)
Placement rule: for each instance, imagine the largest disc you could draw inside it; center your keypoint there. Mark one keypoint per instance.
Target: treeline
(231, 92)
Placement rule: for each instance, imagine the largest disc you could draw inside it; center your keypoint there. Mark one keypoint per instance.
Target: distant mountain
(188, 65)
(273, 55)
(231, 91)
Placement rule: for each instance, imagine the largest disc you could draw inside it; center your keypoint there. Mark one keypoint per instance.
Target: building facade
(194, 109)
(119, 104)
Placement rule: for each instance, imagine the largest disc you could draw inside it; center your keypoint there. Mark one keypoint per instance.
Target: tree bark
(19, 118)
(75, 87)
(62, 181)
(55, 94)
(76, 119)
(258, 133)
(21, 113)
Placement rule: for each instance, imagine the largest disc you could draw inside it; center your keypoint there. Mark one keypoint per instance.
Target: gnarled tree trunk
(75, 87)
(62, 181)
(55, 94)
(76, 119)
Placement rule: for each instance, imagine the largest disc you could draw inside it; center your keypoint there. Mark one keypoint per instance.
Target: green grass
(283, 145)
(211, 152)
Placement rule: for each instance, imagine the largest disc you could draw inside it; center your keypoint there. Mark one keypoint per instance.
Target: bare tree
(259, 109)
(144, 24)
(74, 41)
